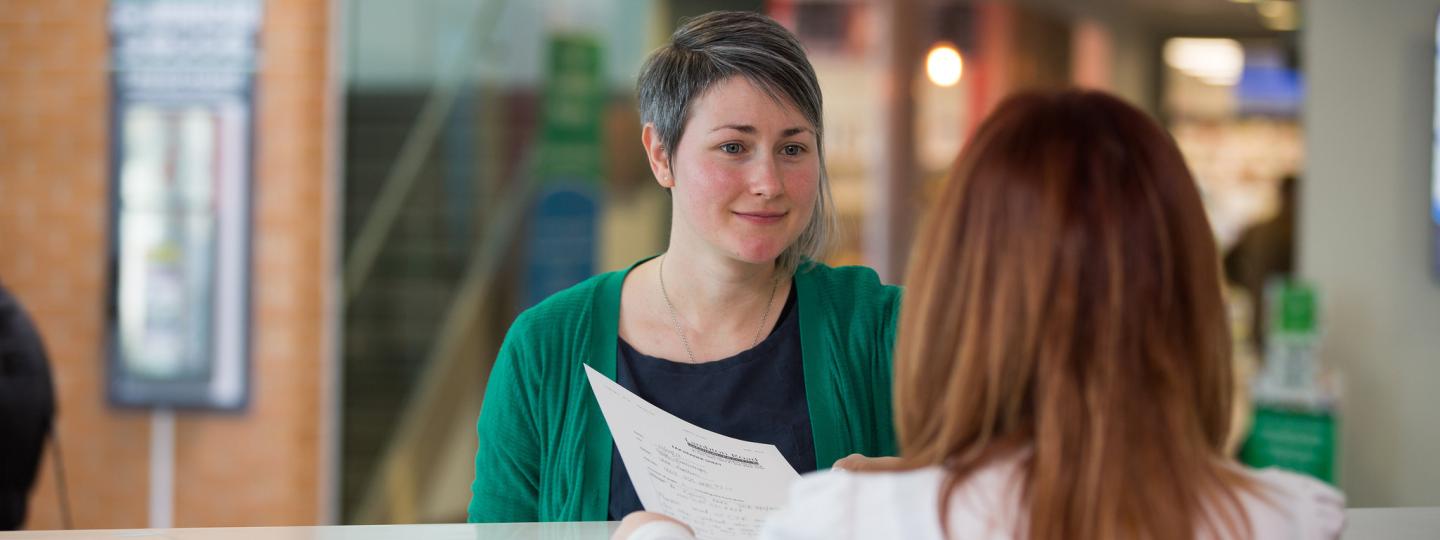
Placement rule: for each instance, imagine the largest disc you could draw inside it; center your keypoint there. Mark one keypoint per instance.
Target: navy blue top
(757, 395)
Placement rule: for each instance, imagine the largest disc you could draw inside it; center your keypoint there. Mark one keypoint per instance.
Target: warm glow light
(943, 65)
(1275, 9)
(1215, 61)
(1278, 14)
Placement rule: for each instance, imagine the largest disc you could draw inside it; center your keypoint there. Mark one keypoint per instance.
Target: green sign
(574, 111)
(1293, 308)
(1300, 441)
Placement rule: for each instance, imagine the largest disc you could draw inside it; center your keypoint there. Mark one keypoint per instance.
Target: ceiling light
(944, 65)
(1216, 61)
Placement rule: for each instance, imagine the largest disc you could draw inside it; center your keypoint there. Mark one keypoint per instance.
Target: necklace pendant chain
(680, 329)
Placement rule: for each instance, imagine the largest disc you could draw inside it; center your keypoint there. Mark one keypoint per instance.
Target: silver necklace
(675, 318)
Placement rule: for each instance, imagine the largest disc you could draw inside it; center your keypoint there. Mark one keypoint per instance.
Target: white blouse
(836, 504)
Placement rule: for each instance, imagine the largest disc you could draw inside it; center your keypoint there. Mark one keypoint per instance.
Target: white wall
(1136, 59)
(1365, 237)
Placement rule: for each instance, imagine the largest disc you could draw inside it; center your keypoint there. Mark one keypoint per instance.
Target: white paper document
(720, 486)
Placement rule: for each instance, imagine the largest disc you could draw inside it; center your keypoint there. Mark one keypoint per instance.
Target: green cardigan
(544, 448)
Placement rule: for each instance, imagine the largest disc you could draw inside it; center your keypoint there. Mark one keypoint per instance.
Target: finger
(851, 462)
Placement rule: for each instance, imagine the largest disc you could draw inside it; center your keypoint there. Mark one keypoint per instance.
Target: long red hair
(1064, 304)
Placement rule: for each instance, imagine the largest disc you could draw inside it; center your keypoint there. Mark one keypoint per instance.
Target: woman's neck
(708, 289)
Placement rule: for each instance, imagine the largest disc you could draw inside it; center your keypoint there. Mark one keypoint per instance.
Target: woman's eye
(731, 148)
(792, 150)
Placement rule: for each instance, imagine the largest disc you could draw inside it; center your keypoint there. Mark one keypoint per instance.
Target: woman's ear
(658, 155)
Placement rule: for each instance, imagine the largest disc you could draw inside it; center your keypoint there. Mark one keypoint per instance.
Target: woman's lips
(761, 218)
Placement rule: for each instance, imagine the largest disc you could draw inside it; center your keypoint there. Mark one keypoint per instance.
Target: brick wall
(262, 467)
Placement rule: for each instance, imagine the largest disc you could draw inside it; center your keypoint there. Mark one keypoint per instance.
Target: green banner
(1300, 441)
(574, 110)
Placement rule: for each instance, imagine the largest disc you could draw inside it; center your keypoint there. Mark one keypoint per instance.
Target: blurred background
(271, 246)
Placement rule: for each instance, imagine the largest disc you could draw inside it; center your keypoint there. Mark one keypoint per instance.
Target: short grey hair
(722, 44)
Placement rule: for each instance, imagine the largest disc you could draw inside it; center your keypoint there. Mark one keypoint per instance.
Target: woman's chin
(759, 253)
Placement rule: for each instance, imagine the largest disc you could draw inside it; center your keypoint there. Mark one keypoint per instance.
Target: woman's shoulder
(901, 504)
(1292, 504)
(832, 484)
(561, 321)
(558, 312)
(842, 277)
(849, 289)
(863, 505)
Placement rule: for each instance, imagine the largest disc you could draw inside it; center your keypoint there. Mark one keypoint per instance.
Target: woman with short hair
(735, 327)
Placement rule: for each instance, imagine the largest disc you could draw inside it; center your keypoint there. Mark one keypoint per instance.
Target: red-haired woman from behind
(1062, 368)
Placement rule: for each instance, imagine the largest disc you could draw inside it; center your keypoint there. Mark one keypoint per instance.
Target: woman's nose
(765, 180)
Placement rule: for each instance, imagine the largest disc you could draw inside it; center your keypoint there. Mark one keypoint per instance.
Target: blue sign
(561, 240)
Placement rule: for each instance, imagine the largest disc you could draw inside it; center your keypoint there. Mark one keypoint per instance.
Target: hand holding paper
(721, 486)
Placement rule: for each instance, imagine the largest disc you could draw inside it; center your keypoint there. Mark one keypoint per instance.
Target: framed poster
(180, 185)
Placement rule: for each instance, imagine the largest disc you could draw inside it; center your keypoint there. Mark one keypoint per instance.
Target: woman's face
(745, 172)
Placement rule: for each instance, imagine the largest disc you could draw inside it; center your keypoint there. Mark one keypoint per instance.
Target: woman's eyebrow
(794, 131)
(743, 128)
(750, 130)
